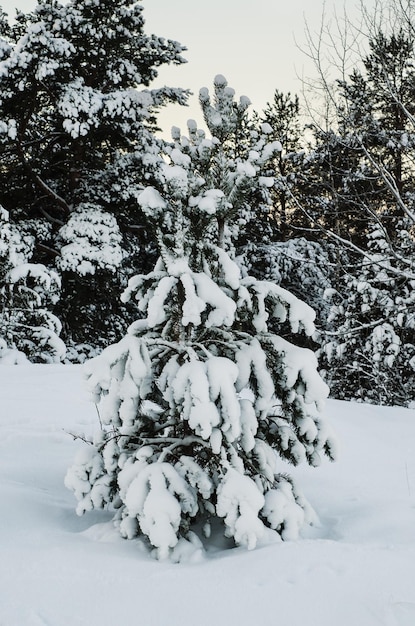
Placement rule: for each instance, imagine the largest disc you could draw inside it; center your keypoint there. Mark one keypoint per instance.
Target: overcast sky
(251, 42)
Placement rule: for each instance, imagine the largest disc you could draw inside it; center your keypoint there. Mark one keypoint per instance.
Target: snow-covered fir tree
(77, 120)
(27, 293)
(201, 405)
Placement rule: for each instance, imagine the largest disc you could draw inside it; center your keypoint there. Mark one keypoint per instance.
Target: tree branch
(39, 182)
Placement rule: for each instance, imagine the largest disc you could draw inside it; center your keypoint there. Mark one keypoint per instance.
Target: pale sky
(252, 43)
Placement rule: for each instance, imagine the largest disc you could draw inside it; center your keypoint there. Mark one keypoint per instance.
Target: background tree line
(332, 221)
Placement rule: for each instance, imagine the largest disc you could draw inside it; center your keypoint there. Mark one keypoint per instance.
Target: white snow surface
(356, 567)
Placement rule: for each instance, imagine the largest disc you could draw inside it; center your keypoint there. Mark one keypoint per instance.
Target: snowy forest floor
(356, 569)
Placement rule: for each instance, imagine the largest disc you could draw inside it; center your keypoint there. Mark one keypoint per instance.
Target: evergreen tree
(76, 128)
(377, 114)
(200, 398)
(359, 170)
(27, 293)
(283, 117)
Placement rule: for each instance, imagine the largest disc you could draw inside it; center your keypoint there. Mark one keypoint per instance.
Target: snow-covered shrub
(80, 352)
(90, 263)
(27, 292)
(91, 241)
(371, 354)
(201, 405)
(10, 356)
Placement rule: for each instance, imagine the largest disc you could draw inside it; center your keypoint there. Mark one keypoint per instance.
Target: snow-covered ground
(56, 569)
